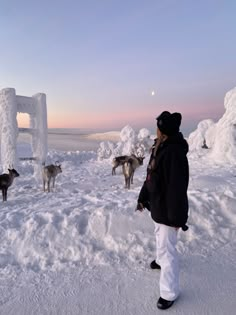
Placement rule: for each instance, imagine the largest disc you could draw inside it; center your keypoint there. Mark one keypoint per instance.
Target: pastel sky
(98, 61)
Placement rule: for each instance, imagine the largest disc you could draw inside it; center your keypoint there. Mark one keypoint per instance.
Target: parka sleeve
(176, 176)
(144, 196)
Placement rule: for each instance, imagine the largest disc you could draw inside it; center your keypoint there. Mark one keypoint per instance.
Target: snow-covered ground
(82, 249)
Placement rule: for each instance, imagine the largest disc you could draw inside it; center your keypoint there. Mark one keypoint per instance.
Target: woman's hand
(139, 207)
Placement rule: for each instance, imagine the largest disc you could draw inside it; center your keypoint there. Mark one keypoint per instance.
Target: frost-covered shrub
(105, 150)
(128, 139)
(127, 134)
(143, 134)
(144, 140)
(130, 143)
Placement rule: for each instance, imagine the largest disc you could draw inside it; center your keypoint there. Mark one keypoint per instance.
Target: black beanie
(169, 123)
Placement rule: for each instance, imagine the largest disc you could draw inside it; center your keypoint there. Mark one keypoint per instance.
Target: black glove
(139, 207)
(146, 205)
(185, 228)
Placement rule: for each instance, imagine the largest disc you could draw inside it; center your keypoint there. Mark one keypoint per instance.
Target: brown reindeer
(49, 173)
(129, 168)
(120, 160)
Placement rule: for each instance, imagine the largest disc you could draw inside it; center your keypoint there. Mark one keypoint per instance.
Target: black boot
(164, 304)
(154, 265)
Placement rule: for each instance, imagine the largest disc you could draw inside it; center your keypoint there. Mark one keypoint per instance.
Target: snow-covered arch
(36, 107)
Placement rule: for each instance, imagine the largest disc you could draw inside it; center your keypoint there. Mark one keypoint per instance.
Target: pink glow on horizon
(98, 120)
(119, 119)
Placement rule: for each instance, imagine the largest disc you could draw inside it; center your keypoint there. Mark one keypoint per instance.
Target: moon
(153, 93)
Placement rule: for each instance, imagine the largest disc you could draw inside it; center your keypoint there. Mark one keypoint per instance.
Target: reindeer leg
(127, 182)
(132, 176)
(4, 194)
(128, 185)
(49, 185)
(53, 182)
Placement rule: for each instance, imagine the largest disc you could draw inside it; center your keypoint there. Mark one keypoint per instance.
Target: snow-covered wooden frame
(36, 107)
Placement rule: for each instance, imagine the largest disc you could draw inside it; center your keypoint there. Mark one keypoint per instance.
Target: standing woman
(164, 194)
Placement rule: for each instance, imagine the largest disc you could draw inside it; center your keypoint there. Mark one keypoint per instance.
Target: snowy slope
(82, 249)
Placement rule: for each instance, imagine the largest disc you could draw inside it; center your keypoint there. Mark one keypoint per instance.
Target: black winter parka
(164, 191)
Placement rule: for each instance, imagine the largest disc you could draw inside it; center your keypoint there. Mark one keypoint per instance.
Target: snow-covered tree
(220, 137)
(130, 143)
(197, 138)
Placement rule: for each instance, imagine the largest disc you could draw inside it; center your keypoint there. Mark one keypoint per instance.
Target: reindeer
(119, 161)
(49, 173)
(129, 168)
(6, 181)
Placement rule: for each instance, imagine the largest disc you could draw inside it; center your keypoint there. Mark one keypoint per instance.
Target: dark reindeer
(6, 181)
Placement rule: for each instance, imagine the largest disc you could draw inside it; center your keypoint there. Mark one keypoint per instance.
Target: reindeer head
(140, 159)
(59, 169)
(13, 172)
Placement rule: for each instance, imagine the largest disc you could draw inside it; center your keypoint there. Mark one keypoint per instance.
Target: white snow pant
(167, 258)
